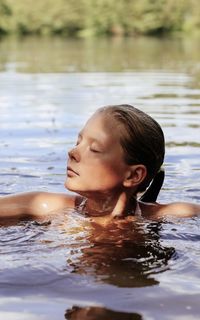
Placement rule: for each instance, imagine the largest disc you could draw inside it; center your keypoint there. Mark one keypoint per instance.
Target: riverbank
(86, 18)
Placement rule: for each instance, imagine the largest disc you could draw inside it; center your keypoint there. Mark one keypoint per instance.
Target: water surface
(141, 270)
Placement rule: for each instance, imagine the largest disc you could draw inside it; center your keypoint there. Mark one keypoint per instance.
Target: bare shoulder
(34, 204)
(176, 209)
(46, 202)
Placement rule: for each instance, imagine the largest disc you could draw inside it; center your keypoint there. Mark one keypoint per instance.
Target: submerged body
(117, 154)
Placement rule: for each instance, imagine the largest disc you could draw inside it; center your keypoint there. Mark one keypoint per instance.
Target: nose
(74, 154)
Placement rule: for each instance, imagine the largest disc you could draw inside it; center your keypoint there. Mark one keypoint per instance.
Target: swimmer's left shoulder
(176, 209)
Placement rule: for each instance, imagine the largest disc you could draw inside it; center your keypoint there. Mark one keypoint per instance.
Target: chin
(71, 186)
(68, 186)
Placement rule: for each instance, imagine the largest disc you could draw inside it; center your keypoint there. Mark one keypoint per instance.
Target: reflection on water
(93, 55)
(131, 270)
(98, 313)
(69, 256)
(124, 254)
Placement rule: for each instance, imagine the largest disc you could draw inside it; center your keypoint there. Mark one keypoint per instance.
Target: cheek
(97, 174)
(105, 173)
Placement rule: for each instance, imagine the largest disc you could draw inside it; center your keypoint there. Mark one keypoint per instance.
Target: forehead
(103, 122)
(103, 126)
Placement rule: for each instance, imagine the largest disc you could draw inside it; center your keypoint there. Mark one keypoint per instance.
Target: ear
(135, 175)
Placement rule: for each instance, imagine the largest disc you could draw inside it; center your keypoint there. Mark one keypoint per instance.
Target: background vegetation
(95, 17)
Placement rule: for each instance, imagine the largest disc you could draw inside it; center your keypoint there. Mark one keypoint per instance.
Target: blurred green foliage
(95, 17)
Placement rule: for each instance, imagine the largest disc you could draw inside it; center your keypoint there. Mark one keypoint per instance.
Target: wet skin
(96, 169)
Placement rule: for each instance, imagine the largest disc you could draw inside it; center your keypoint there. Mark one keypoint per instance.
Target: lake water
(56, 269)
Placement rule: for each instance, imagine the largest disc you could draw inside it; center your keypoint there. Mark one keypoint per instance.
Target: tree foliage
(94, 17)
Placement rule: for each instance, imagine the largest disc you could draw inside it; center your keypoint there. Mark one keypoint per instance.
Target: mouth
(71, 172)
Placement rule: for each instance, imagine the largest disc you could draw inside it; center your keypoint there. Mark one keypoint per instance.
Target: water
(63, 268)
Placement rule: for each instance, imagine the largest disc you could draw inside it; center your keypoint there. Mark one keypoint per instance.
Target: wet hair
(143, 142)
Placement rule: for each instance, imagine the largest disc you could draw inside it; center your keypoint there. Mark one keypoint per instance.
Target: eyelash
(94, 150)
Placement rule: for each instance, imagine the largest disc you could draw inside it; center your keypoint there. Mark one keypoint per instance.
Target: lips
(71, 171)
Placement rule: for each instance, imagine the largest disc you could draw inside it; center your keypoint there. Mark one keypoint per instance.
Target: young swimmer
(118, 154)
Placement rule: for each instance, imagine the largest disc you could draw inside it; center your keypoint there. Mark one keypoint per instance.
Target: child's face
(98, 159)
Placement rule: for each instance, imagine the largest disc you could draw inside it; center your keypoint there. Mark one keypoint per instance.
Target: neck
(114, 205)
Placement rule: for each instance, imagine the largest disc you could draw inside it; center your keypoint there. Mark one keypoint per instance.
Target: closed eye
(94, 150)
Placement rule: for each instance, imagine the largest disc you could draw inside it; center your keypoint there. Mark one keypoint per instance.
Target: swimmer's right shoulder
(34, 204)
(48, 202)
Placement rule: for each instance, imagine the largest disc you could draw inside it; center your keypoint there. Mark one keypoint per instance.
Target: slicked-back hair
(141, 138)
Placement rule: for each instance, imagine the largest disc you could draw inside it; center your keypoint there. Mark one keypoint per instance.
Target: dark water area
(65, 268)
